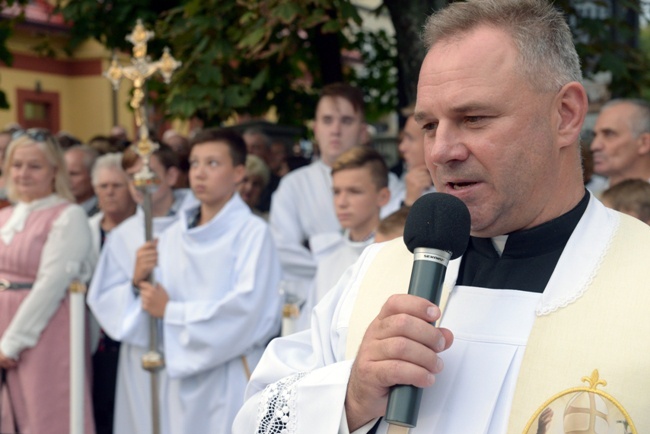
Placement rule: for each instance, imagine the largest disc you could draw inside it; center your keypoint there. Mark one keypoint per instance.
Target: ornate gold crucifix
(138, 72)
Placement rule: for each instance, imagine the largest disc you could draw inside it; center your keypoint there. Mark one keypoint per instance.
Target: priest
(548, 299)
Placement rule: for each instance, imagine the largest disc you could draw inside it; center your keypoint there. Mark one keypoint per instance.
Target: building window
(38, 109)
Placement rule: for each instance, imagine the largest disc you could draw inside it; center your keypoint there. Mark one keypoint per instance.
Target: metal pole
(152, 360)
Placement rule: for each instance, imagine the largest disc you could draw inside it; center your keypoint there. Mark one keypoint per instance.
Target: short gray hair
(110, 161)
(541, 34)
(90, 155)
(640, 121)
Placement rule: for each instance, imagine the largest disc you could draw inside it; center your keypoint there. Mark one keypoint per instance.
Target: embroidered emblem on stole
(582, 410)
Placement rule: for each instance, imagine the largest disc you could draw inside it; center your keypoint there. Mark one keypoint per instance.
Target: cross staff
(138, 72)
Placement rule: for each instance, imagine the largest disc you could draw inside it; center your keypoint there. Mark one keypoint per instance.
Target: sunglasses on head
(36, 134)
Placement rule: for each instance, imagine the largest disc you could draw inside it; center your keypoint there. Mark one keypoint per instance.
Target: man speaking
(546, 308)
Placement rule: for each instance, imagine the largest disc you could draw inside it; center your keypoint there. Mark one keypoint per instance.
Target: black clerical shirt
(528, 259)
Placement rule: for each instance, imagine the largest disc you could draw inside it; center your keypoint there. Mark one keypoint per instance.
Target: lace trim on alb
(277, 408)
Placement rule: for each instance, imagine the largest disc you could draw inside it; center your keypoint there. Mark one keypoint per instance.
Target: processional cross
(138, 72)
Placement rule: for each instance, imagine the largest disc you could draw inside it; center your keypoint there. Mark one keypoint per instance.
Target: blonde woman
(44, 244)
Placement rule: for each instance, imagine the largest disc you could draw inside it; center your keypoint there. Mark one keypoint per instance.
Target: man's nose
(596, 144)
(446, 145)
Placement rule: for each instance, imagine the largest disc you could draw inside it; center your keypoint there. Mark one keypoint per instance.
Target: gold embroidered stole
(614, 337)
(561, 348)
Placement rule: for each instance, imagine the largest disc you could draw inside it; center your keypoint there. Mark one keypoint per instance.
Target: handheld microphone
(436, 231)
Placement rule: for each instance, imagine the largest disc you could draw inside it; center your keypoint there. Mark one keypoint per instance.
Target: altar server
(302, 206)
(216, 288)
(360, 185)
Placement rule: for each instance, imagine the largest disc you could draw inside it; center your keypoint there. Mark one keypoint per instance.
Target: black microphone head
(438, 221)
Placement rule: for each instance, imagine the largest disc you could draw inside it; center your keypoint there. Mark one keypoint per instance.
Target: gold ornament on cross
(138, 72)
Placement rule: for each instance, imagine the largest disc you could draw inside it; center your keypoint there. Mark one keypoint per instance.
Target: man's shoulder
(634, 229)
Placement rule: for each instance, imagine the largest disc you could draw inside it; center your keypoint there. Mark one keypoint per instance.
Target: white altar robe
(118, 310)
(334, 254)
(302, 207)
(222, 279)
(312, 370)
(332, 266)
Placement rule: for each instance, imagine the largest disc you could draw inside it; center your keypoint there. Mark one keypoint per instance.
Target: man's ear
(171, 176)
(240, 173)
(644, 144)
(571, 104)
(384, 196)
(364, 134)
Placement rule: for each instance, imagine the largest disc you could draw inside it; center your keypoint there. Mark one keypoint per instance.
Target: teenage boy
(116, 305)
(360, 186)
(216, 290)
(302, 206)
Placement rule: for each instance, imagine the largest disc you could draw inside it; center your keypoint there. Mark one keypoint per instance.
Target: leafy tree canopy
(251, 55)
(246, 55)
(6, 29)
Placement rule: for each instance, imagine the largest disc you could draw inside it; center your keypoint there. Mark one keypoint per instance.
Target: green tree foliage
(250, 55)
(6, 28)
(644, 45)
(612, 44)
(245, 55)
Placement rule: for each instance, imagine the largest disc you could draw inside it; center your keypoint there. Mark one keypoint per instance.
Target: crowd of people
(277, 282)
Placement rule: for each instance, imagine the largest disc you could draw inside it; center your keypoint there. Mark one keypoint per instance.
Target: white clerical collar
(499, 243)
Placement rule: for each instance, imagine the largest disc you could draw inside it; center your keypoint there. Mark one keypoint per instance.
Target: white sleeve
(200, 334)
(68, 246)
(111, 296)
(289, 233)
(306, 373)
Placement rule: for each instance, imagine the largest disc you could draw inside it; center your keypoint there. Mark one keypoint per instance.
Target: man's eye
(431, 126)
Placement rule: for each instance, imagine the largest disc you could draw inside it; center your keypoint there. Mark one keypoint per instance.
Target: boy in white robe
(301, 207)
(360, 186)
(117, 306)
(216, 288)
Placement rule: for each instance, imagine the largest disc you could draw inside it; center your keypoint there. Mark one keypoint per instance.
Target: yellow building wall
(86, 101)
